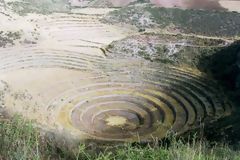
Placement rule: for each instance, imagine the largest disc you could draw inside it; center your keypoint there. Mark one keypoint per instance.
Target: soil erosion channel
(69, 86)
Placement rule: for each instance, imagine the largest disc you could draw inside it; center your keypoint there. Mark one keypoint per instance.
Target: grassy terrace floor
(20, 140)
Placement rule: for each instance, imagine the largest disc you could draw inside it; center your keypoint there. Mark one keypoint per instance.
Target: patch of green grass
(8, 38)
(19, 139)
(214, 23)
(43, 7)
(200, 22)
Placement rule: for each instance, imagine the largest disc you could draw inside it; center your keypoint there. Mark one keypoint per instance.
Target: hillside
(23, 7)
(208, 23)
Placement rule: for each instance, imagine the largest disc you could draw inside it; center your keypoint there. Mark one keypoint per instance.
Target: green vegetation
(214, 23)
(210, 23)
(8, 38)
(20, 140)
(43, 7)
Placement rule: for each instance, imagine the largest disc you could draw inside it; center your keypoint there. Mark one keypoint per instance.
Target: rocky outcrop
(174, 49)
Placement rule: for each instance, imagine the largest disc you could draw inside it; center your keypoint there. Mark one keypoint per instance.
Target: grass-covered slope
(210, 23)
(23, 7)
(19, 139)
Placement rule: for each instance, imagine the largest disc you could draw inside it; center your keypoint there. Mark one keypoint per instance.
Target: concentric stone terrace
(69, 86)
(127, 108)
